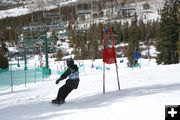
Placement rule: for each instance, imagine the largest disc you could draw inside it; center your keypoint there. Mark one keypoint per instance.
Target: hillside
(14, 31)
(143, 95)
(28, 8)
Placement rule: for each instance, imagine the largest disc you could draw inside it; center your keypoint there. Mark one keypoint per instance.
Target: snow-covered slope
(152, 13)
(21, 11)
(144, 93)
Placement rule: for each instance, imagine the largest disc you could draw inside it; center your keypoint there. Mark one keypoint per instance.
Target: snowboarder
(71, 83)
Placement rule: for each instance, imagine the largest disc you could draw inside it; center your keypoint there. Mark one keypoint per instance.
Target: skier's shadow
(38, 111)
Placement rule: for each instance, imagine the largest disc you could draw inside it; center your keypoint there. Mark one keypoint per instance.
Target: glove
(57, 81)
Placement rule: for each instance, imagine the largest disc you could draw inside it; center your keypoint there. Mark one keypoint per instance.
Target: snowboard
(57, 104)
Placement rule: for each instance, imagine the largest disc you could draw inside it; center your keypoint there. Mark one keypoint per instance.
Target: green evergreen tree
(178, 43)
(125, 32)
(118, 32)
(83, 46)
(133, 42)
(168, 35)
(3, 61)
(142, 29)
(70, 30)
(100, 34)
(54, 35)
(92, 38)
(155, 27)
(76, 45)
(59, 55)
(3, 48)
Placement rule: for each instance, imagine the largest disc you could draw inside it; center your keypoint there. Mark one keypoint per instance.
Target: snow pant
(63, 92)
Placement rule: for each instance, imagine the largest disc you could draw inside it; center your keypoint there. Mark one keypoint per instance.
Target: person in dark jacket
(71, 83)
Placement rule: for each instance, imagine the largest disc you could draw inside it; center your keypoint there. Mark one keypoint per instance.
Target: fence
(14, 76)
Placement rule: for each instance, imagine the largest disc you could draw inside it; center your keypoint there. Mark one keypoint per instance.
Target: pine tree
(178, 43)
(3, 59)
(3, 48)
(93, 42)
(83, 46)
(142, 29)
(76, 46)
(54, 35)
(168, 35)
(3, 62)
(100, 33)
(133, 42)
(59, 55)
(125, 32)
(118, 32)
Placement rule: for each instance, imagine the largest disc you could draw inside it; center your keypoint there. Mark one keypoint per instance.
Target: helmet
(69, 62)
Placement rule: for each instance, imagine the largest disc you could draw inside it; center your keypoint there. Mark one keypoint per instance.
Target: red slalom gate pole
(117, 76)
(104, 64)
(115, 60)
(103, 78)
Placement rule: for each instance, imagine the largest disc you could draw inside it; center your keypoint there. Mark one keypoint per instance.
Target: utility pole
(46, 48)
(44, 29)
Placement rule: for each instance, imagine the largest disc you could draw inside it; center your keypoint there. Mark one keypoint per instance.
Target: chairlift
(170, 3)
(51, 14)
(84, 11)
(127, 9)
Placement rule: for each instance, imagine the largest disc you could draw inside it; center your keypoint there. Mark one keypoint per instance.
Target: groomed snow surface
(144, 93)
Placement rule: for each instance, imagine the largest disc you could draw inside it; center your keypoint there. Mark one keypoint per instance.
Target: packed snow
(144, 93)
(144, 90)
